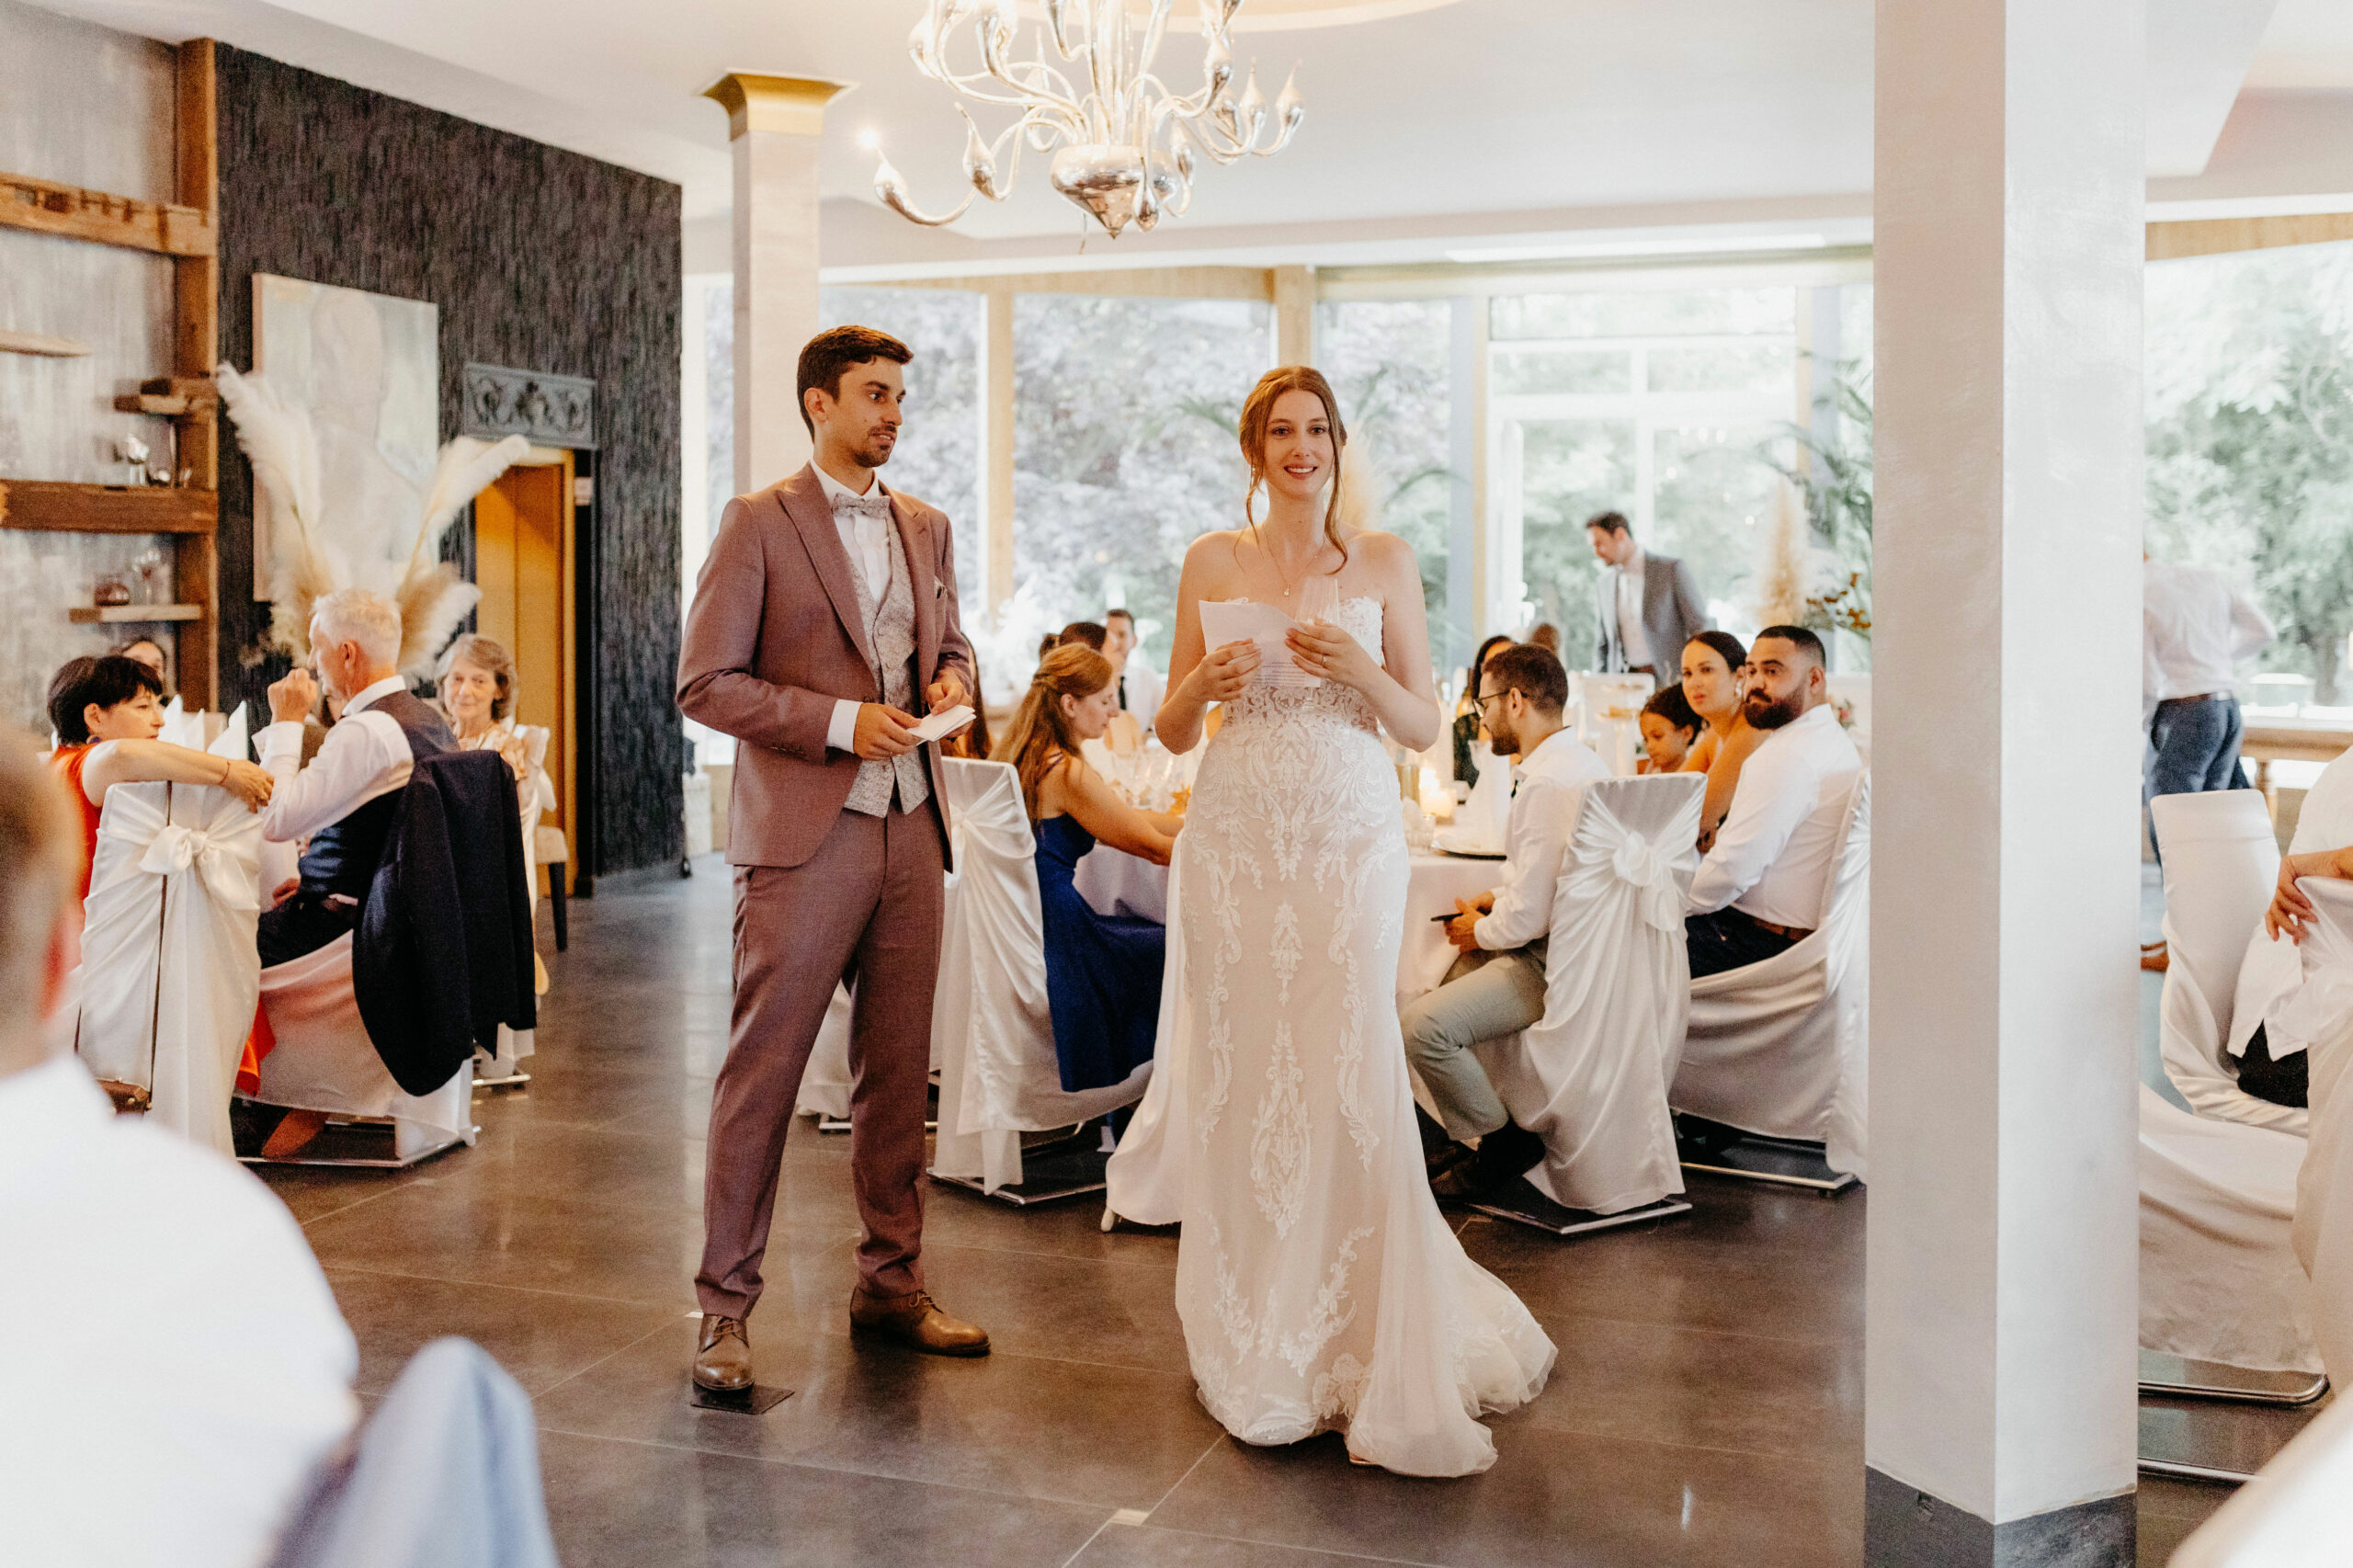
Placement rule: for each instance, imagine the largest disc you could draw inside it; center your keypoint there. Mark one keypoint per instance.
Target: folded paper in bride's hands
(1239, 620)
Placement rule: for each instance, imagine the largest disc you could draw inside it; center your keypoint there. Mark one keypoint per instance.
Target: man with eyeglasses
(1496, 987)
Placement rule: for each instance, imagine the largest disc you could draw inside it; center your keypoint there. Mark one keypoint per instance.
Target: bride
(1320, 1288)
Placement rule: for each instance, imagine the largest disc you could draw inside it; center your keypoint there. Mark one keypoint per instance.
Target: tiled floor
(1708, 1408)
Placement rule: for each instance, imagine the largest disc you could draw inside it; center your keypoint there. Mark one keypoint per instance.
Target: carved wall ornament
(546, 410)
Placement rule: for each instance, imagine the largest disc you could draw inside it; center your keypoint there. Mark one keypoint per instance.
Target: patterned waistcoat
(891, 632)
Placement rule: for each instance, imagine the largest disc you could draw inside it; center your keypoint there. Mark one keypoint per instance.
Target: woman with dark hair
(145, 651)
(1713, 683)
(1102, 971)
(1468, 730)
(106, 713)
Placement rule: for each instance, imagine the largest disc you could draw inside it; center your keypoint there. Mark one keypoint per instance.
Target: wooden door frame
(567, 767)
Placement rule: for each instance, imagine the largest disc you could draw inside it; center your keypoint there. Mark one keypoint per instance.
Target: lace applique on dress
(1278, 1139)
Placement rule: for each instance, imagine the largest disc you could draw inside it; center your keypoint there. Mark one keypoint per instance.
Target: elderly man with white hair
(345, 802)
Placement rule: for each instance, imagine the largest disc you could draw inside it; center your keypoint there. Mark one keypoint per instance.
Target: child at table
(1670, 729)
(1102, 971)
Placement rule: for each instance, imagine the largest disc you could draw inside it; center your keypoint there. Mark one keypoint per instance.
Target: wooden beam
(1294, 290)
(196, 351)
(133, 614)
(34, 343)
(48, 507)
(161, 407)
(48, 208)
(1143, 282)
(2217, 236)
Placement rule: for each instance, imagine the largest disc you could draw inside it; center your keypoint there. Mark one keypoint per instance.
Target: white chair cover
(992, 1031)
(1591, 1078)
(325, 1061)
(170, 974)
(2221, 862)
(1481, 819)
(2219, 1278)
(2292, 1514)
(2322, 1014)
(2273, 969)
(534, 792)
(1782, 1048)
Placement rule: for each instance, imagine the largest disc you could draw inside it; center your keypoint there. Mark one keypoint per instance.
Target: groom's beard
(875, 452)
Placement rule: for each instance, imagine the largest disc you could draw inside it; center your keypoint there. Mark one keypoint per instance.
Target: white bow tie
(875, 507)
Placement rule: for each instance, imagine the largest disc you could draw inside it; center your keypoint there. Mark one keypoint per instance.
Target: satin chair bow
(227, 878)
(1638, 861)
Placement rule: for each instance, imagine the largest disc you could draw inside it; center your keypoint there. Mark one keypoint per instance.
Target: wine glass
(149, 565)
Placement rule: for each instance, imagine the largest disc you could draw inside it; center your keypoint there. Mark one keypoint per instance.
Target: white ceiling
(1474, 116)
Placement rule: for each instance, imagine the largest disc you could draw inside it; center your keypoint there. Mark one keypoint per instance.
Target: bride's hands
(1322, 648)
(1224, 673)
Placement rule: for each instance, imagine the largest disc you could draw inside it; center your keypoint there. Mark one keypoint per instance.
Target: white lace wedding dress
(1320, 1287)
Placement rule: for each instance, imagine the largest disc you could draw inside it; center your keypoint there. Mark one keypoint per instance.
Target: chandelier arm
(893, 192)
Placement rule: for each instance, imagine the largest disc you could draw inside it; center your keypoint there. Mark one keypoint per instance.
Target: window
(1664, 406)
(1125, 423)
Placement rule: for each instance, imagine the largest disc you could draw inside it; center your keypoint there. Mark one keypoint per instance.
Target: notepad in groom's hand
(1239, 620)
(944, 723)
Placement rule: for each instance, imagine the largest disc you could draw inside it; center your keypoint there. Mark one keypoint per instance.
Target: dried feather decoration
(1782, 575)
(310, 559)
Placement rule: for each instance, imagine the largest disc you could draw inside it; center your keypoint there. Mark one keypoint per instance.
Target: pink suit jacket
(774, 638)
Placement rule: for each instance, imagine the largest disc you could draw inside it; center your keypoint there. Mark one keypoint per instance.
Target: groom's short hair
(834, 351)
(1533, 672)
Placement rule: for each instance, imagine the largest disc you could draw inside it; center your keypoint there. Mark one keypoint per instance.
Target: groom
(825, 619)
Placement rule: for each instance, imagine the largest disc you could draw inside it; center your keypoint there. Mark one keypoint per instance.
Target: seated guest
(229, 1367)
(1669, 731)
(1713, 667)
(1102, 971)
(1138, 683)
(477, 691)
(1758, 891)
(345, 800)
(106, 713)
(2314, 1019)
(1089, 634)
(1469, 733)
(145, 651)
(1496, 987)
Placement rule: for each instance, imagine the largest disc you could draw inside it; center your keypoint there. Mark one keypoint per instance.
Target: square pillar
(2004, 1251)
(774, 124)
(997, 404)
(1293, 291)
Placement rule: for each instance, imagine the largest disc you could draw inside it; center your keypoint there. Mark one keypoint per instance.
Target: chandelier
(1125, 149)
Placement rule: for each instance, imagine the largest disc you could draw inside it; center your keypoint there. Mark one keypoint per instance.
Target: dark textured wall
(538, 258)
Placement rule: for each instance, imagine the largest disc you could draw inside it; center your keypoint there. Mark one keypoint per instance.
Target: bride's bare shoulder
(1384, 552)
(1214, 556)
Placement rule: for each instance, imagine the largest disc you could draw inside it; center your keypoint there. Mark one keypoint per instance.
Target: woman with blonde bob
(1102, 971)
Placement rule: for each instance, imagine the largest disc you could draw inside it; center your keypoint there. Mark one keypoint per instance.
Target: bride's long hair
(1039, 730)
(1255, 414)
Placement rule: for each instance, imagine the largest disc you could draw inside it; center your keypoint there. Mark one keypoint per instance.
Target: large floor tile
(1661, 1277)
(1126, 1545)
(617, 1504)
(540, 1338)
(1116, 1436)
(1554, 1498)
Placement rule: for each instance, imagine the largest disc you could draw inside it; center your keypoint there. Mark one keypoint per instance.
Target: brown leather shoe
(915, 1321)
(722, 1355)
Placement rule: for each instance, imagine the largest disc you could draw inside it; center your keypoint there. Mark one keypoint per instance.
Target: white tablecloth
(1113, 881)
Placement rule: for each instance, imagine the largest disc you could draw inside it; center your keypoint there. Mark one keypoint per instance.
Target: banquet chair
(2221, 862)
(993, 1034)
(1591, 1077)
(503, 1069)
(1779, 1050)
(2291, 1513)
(169, 971)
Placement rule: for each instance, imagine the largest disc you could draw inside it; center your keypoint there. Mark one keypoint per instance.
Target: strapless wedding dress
(1319, 1286)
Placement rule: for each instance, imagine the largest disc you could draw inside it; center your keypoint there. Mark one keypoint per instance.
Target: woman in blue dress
(1102, 971)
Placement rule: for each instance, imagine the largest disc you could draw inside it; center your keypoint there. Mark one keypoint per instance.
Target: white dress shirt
(867, 541)
(1536, 839)
(1632, 635)
(170, 1418)
(1140, 685)
(365, 755)
(2195, 628)
(1772, 855)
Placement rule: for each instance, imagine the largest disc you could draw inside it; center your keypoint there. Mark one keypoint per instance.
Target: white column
(774, 124)
(995, 386)
(2000, 1422)
(1294, 290)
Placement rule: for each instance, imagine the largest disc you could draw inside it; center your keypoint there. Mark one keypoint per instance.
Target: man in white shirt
(1138, 683)
(176, 1425)
(1759, 890)
(1645, 607)
(2195, 630)
(1496, 987)
(344, 802)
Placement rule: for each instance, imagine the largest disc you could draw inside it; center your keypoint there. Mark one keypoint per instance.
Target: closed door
(523, 565)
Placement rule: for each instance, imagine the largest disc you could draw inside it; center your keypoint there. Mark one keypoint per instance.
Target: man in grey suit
(1645, 607)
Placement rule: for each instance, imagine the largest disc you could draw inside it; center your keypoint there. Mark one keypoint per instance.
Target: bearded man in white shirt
(178, 1425)
(1496, 987)
(1759, 890)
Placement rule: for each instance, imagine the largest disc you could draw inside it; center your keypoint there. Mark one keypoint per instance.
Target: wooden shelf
(163, 407)
(49, 208)
(50, 508)
(131, 615)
